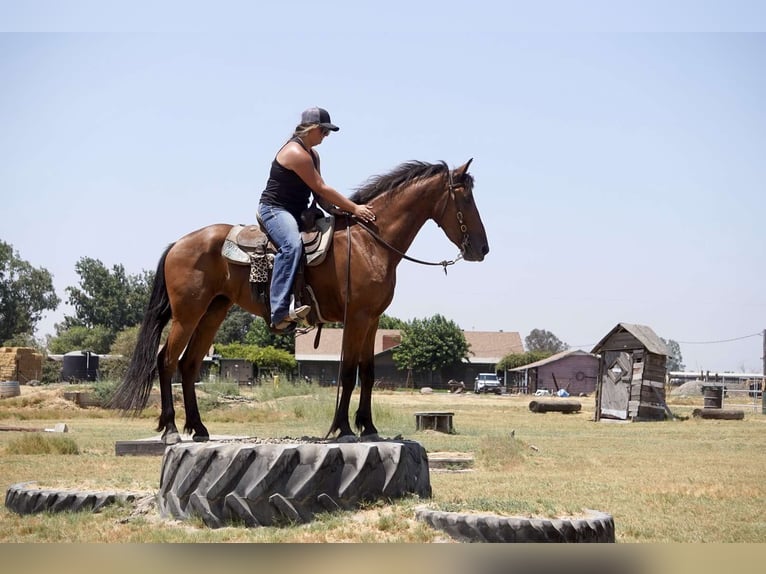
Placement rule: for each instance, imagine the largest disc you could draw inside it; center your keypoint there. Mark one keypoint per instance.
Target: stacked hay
(22, 364)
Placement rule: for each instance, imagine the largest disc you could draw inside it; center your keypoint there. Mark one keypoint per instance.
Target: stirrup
(299, 313)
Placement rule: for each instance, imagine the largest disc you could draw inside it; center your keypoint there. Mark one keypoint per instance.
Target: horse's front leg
(367, 380)
(348, 382)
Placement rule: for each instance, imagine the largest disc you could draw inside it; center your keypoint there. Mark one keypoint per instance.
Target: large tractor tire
(594, 527)
(26, 498)
(267, 484)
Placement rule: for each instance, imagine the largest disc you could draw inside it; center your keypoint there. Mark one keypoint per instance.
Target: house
(573, 370)
(632, 371)
(321, 364)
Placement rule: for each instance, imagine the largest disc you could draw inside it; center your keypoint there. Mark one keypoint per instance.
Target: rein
(451, 186)
(345, 318)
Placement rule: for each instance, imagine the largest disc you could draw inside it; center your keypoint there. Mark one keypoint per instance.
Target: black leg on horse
(167, 421)
(192, 361)
(340, 421)
(363, 418)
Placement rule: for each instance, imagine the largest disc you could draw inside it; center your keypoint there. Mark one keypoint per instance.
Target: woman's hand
(364, 213)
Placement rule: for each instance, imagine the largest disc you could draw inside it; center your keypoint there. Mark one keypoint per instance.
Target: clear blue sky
(619, 147)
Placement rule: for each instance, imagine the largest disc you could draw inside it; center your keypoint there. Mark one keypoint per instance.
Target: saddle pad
(316, 255)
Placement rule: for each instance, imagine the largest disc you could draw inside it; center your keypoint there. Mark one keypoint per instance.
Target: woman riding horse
(195, 286)
(294, 175)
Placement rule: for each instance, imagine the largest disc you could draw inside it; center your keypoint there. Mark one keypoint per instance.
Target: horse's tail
(133, 393)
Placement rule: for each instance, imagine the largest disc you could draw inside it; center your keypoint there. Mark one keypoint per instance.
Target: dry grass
(674, 481)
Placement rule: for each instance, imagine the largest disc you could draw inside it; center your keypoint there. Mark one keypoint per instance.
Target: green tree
(235, 326)
(260, 336)
(115, 367)
(262, 357)
(675, 361)
(113, 298)
(430, 345)
(515, 360)
(542, 340)
(97, 339)
(387, 322)
(25, 293)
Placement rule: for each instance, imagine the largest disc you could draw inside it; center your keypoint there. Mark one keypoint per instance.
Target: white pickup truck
(487, 383)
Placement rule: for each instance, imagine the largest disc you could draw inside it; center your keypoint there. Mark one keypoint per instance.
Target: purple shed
(573, 370)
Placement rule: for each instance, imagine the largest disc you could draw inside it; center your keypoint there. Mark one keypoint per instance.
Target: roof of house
(645, 335)
(553, 359)
(486, 346)
(330, 342)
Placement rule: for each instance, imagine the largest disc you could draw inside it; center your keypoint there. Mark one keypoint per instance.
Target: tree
(514, 360)
(25, 293)
(235, 326)
(77, 338)
(675, 361)
(112, 299)
(260, 335)
(431, 345)
(545, 341)
(387, 322)
(262, 357)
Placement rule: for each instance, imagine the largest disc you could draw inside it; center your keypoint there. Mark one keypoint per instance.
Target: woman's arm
(294, 157)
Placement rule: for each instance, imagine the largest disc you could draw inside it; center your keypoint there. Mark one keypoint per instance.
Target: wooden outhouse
(631, 374)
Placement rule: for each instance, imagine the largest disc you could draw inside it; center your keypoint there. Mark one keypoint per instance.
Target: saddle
(251, 245)
(247, 241)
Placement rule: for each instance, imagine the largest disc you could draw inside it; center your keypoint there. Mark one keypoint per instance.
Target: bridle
(451, 187)
(464, 243)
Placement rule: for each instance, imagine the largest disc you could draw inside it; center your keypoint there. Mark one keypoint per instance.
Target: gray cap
(318, 116)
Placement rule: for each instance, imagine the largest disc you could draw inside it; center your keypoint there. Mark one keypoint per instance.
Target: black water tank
(79, 366)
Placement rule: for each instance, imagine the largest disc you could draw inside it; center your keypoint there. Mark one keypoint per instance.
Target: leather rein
(451, 187)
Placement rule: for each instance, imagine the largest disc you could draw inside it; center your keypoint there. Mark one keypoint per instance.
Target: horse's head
(459, 217)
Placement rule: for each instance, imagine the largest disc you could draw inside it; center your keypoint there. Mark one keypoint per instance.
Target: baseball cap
(318, 116)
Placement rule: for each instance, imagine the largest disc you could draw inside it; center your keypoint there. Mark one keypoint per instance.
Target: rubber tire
(24, 498)
(272, 484)
(595, 527)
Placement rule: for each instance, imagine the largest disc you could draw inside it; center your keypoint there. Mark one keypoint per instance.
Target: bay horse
(195, 286)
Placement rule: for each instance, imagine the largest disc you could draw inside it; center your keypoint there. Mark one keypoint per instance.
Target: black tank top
(285, 188)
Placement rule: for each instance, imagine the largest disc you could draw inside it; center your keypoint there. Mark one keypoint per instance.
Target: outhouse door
(615, 384)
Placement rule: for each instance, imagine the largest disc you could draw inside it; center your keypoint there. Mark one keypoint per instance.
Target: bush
(51, 371)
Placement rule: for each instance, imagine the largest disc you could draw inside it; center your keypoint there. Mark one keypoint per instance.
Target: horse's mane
(405, 173)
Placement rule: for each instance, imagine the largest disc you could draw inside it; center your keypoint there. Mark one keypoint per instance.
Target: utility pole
(763, 380)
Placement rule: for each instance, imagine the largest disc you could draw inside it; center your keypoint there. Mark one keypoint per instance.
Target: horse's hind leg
(192, 361)
(181, 330)
(167, 421)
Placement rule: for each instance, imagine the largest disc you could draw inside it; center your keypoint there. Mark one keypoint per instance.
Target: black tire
(268, 484)
(595, 527)
(25, 498)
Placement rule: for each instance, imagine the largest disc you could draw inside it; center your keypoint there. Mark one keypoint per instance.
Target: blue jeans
(283, 231)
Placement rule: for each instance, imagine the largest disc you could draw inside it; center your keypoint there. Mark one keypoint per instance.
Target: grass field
(675, 481)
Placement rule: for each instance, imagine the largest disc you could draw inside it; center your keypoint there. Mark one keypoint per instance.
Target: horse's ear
(463, 169)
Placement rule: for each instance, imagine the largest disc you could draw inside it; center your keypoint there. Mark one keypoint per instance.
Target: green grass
(674, 481)
(37, 443)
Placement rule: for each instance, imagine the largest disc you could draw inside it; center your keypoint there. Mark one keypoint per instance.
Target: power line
(760, 334)
(720, 341)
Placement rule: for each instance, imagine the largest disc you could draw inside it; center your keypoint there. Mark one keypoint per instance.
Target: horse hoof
(374, 437)
(200, 438)
(171, 438)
